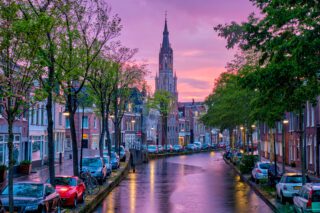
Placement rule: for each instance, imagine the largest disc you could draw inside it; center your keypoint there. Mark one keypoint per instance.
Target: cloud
(195, 83)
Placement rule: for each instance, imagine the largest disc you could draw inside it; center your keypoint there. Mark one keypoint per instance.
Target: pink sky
(199, 54)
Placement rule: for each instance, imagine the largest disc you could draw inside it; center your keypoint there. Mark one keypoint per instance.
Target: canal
(201, 183)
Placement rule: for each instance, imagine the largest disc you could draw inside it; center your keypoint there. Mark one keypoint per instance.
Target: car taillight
(309, 203)
(259, 171)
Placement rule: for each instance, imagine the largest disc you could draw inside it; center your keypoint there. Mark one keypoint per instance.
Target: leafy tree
(19, 44)
(88, 27)
(287, 36)
(101, 80)
(163, 102)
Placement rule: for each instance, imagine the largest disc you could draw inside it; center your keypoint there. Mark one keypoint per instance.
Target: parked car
(289, 184)
(152, 149)
(160, 148)
(107, 163)
(236, 158)
(71, 189)
(308, 198)
(205, 146)
(198, 145)
(177, 148)
(115, 161)
(191, 147)
(272, 177)
(96, 167)
(32, 197)
(222, 145)
(229, 155)
(214, 146)
(168, 147)
(122, 153)
(260, 171)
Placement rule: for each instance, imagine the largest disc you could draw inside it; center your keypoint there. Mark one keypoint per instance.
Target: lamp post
(275, 152)
(284, 122)
(242, 135)
(253, 127)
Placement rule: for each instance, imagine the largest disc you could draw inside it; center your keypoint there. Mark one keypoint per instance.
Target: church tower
(167, 80)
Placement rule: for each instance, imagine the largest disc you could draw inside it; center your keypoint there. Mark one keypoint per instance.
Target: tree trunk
(11, 160)
(107, 128)
(302, 157)
(51, 150)
(275, 152)
(73, 135)
(49, 89)
(102, 135)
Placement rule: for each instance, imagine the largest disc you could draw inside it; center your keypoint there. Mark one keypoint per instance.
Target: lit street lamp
(284, 122)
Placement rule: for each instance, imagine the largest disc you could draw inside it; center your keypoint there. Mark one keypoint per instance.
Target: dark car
(228, 155)
(115, 160)
(272, 178)
(32, 197)
(96, 167)
(122, 153)
(205, 146)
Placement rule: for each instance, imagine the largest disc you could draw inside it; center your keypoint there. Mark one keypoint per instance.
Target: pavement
(41, 174)
(295, 169)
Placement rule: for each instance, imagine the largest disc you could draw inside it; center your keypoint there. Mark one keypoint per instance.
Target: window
(95, 122)
(42, 117)
(37, 115)
(85, 122)
(60, 118)
(312, 116)
(67, 123)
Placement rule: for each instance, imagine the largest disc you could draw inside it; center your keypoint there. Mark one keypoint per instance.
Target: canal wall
(270, 201)
(171, 154)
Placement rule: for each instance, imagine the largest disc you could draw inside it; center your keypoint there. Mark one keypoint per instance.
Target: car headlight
(31, 207)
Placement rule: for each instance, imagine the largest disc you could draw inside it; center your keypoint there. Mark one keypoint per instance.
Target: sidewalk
(41, 174)
(294, 169)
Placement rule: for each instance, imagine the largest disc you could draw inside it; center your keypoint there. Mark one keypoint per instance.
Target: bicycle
(92, 186)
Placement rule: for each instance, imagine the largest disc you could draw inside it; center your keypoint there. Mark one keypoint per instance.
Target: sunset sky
(199, 54)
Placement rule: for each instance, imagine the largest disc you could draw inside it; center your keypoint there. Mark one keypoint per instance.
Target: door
(85, 144)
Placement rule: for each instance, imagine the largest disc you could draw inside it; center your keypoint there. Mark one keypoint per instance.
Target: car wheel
(256, 181)
(75, 201)
(252, 178)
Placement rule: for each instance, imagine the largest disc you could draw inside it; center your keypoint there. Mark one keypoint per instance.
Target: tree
(101, 80)
(163, 102)
(229, 104)
(287, 36)
(88, 27)
(18, 49)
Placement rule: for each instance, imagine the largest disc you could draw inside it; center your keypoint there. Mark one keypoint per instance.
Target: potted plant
(25, 167)
(3, 173)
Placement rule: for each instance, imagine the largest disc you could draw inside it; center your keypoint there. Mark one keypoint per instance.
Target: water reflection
(195, 183)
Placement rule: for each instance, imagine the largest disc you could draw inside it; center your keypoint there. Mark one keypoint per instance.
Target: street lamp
(66, 111)
(284, 122)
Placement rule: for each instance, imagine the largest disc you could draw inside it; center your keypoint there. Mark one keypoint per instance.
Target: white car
(198, 145)
(152, 149)
(289, 185)
(308, 198)
(260, 171)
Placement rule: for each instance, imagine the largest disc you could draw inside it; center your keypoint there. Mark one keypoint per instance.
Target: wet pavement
(195, 183)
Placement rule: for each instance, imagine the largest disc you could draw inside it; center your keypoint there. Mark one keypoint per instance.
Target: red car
(71, 190)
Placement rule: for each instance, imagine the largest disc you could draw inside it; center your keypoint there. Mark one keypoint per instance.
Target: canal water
(195, 183)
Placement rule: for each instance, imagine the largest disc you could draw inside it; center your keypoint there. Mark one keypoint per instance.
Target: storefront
(17, 147)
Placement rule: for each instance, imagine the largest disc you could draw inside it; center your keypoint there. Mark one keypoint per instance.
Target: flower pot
(3, 175)
(25, 169)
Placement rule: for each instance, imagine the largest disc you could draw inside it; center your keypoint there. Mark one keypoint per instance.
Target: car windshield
(152, 146)
(294, 179)
(25, 190)
(91, 162)
(264, 165)
(65, 181)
